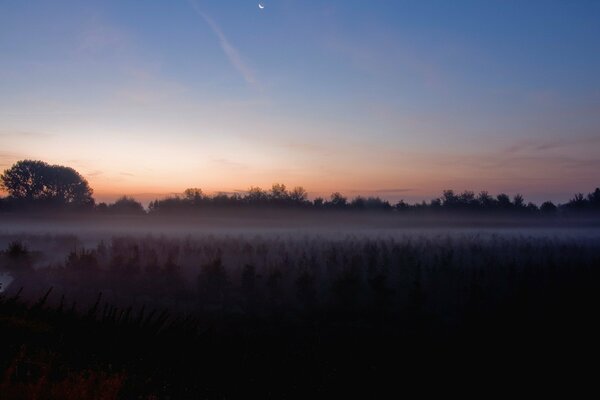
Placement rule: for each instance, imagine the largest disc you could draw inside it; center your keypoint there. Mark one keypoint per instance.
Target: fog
(284, 221)
(160, 290)
(131, 259)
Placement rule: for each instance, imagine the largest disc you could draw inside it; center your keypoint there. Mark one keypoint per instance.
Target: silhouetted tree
(449, 199)
(594, 199)
(467, 200)
(435, 204)
(503, 201)
(126, 205)
(486, 202)
(194, 196)
(170, 204)
(402, 206)
(37, 181)
(519, 201)
(278, 193)
(532, 208)
(375, 203)
(358, 203)
(338, 200)
(256, 196)
(548, 208)
(298, 195)
(577, 203)
(222, 199)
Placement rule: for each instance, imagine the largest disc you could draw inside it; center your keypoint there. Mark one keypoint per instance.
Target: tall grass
(218, 315)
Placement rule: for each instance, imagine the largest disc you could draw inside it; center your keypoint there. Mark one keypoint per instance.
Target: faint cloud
(399, 190)
(228, 163)
(230, 51)
(387, 191)
(150, 91)
(8, 158)
(94, 173)
(513, 166)
(25, 134)
(377, 55)
(304, 147)
(543, 97)
(543, 145)
(98, 36)
(126, 174)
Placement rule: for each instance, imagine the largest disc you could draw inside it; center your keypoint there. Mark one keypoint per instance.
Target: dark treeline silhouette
(33, 184)
(123, 205)
(36, 185)
(279, 197)
(450, 201)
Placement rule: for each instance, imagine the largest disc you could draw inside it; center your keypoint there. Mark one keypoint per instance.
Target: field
(287, 313)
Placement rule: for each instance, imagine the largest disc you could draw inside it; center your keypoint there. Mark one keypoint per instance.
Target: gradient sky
(400, 99)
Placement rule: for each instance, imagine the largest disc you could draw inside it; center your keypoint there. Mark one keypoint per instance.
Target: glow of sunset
(398, 99)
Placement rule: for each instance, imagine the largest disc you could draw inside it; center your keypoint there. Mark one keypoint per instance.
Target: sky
(399, 99)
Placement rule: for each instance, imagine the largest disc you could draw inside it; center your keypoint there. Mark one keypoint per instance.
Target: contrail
(231, 52)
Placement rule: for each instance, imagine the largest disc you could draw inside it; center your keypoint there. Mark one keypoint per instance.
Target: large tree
(29, 180)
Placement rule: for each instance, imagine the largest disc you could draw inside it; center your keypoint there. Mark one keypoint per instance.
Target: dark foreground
(288, 318)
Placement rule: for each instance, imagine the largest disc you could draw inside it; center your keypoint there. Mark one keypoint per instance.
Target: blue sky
(397, 98)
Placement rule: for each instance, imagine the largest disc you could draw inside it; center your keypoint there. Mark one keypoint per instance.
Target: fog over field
(295, 289)
(282, 241)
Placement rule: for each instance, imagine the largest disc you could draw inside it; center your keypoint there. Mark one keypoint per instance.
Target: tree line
(37, 185)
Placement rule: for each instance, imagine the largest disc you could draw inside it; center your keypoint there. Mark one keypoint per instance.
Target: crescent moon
(261, 6)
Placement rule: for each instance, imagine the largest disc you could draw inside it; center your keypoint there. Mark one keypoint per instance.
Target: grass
(221, 317)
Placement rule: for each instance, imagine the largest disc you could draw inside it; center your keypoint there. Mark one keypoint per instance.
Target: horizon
(36, 179)
(396, 100)
(147, 198)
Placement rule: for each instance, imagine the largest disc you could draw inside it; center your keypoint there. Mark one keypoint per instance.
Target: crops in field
(439, 273)
(286, 311)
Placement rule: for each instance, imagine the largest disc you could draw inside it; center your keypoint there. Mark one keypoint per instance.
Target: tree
(519, 201)
(126, 205)
(402, 205)
(193, 195)
(279, 192)
(29, 180)
(338, 200)
(376, 203)
(578, 202)
(318, 202)
(435, 204)
(548, 208)
(298, 195)
(449, 199)
(256, 196)
(485, 200)
(467, 199)
(358, 203)
(503, 201)
(594, 198)
(532, 208)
